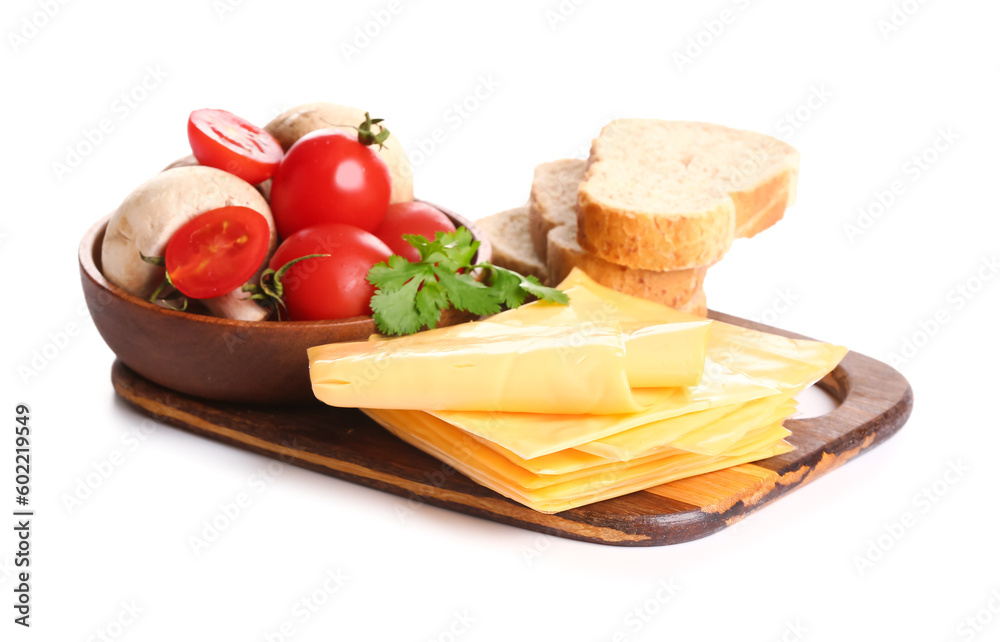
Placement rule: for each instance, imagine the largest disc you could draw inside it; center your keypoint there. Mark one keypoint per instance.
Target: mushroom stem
(236, 305)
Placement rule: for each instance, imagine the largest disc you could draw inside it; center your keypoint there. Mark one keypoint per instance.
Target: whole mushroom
(299, 121)
(154, 211)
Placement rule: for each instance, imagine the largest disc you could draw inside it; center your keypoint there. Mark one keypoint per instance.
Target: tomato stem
(271, 290)
(164, 298)
(367, 137)
(160, 288)
(158, 261)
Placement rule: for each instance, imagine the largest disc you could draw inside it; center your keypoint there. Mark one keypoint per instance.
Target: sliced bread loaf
(553, 218)
(553, 200)
(661, 195)
(512, 248)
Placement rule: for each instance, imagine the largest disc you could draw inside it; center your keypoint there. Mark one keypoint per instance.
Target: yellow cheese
(551, 493)
(741, 365)
(559, 459)
(757, 439)
(713, 424)
(574, 460)
(587, 367)
(535, 434)
(513, 470)
(719, 437)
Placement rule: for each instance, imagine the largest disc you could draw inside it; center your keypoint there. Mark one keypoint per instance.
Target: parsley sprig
(410, 296)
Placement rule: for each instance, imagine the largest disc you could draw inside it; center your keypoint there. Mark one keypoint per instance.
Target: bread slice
(673, 287)
(512, 248)
(553, 219)
(662, 195)
(553, 200)
(696, 305)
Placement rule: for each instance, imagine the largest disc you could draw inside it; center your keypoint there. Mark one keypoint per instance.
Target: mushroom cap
(295, 123)
(155, 210)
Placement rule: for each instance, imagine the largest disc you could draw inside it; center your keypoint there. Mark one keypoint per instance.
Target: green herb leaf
(393, 310)
(410, 296)
(396, 273)
(466, 293)
(532, 286)
(508, 286)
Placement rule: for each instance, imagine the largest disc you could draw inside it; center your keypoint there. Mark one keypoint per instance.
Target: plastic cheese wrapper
(559, 492)
(742, 365)
(560, 459)
(589, 366)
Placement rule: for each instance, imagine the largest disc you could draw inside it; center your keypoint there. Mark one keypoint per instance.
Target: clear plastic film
(741, 365)
(708, 432)
(582, 368)
(554, 493)
(553, 461)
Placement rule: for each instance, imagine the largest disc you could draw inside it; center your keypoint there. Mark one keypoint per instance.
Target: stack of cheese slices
(654, 206)
(560, 406)
(627, 387)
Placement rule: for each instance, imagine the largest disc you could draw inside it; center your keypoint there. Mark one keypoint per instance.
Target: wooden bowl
(222, 359)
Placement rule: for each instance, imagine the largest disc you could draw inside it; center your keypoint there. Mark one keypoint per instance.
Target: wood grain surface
(874, 402)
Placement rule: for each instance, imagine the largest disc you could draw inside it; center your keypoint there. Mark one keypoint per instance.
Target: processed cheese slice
(554, 461)
(535, 434)
(551, 494)
(690, 466)
(575, 460)
(718, 438)
(641, 440)
(759, 438)
(447, 438)
(585, 368)
(741, 365)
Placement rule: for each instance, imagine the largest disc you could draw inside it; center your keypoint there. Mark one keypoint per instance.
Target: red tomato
(216, 252)
(327, 176)
(225, 141)
(333, 287)
(411, 218)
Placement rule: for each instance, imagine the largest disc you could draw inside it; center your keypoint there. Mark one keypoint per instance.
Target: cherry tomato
(216, 252)
(411, 218)
(333, 287)
(327, 176)
(225, 141)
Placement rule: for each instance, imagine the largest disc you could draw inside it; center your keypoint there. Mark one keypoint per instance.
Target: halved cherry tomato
(411, 218)
(216, 252)
(327, 176)
(225, 141)
(331, 287)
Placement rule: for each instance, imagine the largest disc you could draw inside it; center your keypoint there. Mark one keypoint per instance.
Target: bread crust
(672, 287)
(764, 204)
(512, 247)
(553, 185)
(647, 242)
(730, 183)
(696, 305)
(553, 220)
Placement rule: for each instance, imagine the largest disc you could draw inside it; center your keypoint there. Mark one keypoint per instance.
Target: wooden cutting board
(874, 402)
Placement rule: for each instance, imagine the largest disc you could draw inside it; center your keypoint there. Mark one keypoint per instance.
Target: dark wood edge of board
(874, 401)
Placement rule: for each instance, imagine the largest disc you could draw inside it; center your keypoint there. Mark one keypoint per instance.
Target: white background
(795, 570)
